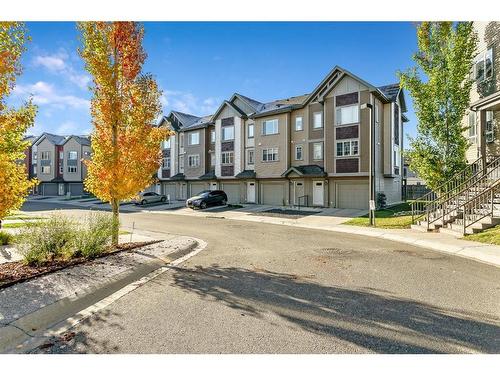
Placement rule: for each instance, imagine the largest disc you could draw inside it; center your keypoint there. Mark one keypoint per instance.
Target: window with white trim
(61, 155)
(250, 131)
(166, 143)
(318, 151)
(251, 156)
(472, 125)
(227, 133)
(212, 136)
(46, 169)
(317, 120)
(348, 114)
(270, 127)
(270, 154)
(194, 138)
(166, 162)
(181, 163)
(71, 168)
(299, 152)
(299, 123)
(347, 147)
(193, 161)
(72, 155)
(483, 66)
(489, 133)
(34, 169)
(227, 157)
(45, 155)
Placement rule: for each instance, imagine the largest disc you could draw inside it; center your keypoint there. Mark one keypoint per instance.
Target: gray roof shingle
(391, 91)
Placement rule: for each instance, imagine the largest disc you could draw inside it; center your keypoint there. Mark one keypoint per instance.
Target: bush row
(61, 238)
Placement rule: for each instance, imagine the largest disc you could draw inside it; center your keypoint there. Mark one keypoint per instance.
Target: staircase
(467, 203)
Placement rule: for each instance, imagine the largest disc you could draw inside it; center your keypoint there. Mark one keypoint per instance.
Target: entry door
(183, 191)
(298, 191)
(213, 186)
(61, 189)
(251, 192)
(318, 193)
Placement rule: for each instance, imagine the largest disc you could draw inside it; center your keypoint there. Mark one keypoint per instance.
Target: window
(489, 127)
(270, 127)
(181, 140)
(483, 67)
(318, 151)
(212, 136)
(347, 148)
(46, 169)
(227, 133)
(166, 144)
(212, 160)
(181, 163)
(227, 157)
(45, 155)
(251, 157)
(347, 115)
(472, 125)
(396, 124)
(299, 123)
(61, 155)
(298, 152)
(193, 161)
(166, 162)
(34, 169)
(71, 169)
(72, 155)
(61, 168)
(35, 155)
(270, 154)
(317, 120)
(194, 138)
(250, 130)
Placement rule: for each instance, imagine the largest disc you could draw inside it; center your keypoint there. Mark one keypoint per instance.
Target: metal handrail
(474, 211)
(438, 210)
(306, 200)
(418, 206)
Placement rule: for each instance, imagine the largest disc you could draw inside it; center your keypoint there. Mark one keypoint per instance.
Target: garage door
(169, 189)
(233, 192)
(273, 194)
(353, 195)
(196, 188)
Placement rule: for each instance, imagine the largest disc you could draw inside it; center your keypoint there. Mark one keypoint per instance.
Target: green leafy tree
(440, 87)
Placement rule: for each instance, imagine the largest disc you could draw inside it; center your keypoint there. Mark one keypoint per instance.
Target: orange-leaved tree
(125, 104)
(14, 180)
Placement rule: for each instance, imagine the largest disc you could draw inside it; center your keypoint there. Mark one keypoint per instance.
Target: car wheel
(224, 202)
(143, 202)
(163, 199)
(203, 205)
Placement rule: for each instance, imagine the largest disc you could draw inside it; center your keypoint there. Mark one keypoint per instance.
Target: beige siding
(43, 146)
(299, 137)
(275, 168)
(194, 172)
(72, 145)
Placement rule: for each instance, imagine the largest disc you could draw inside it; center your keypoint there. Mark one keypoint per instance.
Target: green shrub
(5, 238)
(45, 240)
(93, 238)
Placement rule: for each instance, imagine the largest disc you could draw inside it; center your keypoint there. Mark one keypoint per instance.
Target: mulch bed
(15, 272)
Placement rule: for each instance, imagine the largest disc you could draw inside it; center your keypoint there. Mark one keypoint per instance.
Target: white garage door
(169, 189)
(233, 192)
(352, 195)
(273, 194)
(196, 188)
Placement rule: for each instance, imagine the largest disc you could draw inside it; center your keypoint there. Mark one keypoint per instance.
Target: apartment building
(483, 117)
(57, 162)
(308, 150)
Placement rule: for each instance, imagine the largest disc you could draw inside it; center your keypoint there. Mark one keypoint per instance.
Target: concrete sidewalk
(333, 219)
(32, 307)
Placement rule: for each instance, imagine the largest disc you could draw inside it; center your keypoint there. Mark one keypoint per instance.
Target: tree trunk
(0, 224)
(115, 206)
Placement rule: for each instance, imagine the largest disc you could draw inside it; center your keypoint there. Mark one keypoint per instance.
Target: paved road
(260, 288)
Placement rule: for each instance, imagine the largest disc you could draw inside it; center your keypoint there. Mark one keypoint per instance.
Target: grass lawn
(490, 236)
(385, 218)
(23, 217)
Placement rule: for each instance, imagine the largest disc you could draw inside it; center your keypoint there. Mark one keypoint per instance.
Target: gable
(243, 106)
(226, 111)
(345, 86)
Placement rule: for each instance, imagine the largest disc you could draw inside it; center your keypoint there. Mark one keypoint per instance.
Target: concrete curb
(33, 329)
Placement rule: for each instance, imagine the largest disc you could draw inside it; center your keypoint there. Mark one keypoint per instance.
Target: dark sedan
(207, 198)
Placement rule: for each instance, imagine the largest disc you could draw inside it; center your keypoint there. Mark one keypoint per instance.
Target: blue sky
(199, 64)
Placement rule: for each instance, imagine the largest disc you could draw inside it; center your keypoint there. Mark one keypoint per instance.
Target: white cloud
(44, 93)
(59, 63)
(189, 103)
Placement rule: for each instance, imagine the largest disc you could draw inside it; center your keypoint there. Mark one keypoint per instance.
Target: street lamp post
(371, 177)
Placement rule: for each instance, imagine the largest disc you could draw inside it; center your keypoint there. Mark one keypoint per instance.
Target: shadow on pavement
(370, 318)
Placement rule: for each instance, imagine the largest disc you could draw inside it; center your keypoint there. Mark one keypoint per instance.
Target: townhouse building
(483, 117)
(57, 162)
(308, 150)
